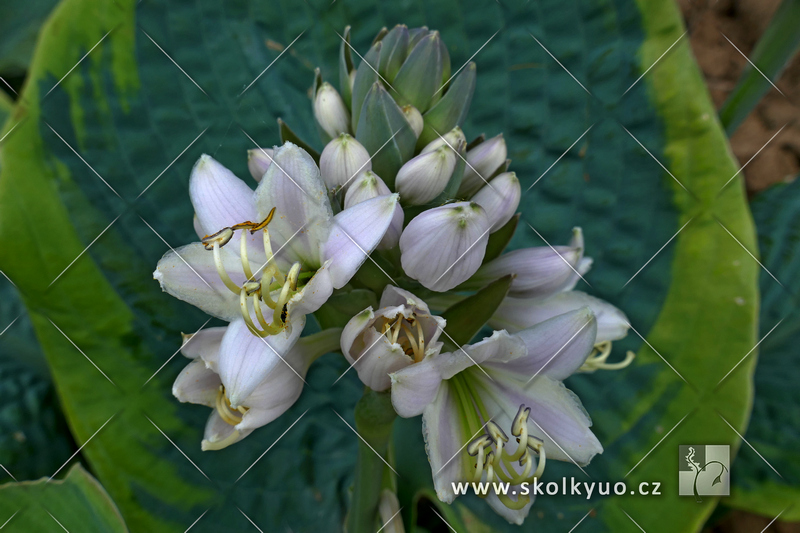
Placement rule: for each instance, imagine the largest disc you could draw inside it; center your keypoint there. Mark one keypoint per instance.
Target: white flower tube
(444, 246)
(500, 198)
(424, 177)
(342, 160)
(330, 111)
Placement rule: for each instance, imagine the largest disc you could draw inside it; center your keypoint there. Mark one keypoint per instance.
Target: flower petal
(368, 185)
(355, 233)
(245, 359)
(303, 214)
(556, 347)
(375, 358)
(219, 434)
(514, 516)
(557, 415)
(315, 293)
(204, 345)
(539, 271)
(189, 274)
(515, 314)
(220, 199)
(444, 246)
(500, 346)
(197, 384)
(258, 161)
(342, 160)
(445, 436)
(415, 387)
(500, 198)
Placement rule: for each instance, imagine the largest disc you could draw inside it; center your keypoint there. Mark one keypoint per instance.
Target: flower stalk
(374, 419)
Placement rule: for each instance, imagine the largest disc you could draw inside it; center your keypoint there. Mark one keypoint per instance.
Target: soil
(743, 22)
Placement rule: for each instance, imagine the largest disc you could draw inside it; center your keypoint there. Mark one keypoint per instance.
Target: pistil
(599, 356)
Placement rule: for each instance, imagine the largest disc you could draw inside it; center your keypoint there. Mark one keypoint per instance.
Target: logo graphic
(704, 470)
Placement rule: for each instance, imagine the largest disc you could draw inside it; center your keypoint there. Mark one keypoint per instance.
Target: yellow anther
(220, 238)
(264, 223)
(478, 444)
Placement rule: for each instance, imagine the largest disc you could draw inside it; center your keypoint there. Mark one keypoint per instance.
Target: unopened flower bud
(500, 198)
(414, 118)
(424, 177)
(482, 162)
(444, 246)
(258, 161)
(366, 186)
(452, 139)
(331, 111)
(341, 160)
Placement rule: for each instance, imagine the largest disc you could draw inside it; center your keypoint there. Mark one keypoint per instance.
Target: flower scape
(398, 203)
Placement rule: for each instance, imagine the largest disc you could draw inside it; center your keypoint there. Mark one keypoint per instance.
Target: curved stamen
(226, 412)
(223, 274)
(597, 360)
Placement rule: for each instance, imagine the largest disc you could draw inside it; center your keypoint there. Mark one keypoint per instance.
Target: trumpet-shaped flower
(235, 275)
(473, 398)
(200, 382)
(444, 246)
(401, 332)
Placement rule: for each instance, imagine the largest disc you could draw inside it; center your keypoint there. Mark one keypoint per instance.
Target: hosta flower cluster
(401, 204)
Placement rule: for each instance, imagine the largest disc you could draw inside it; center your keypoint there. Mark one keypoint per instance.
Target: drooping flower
(442, 247)
(539, 270)
(401, 332)
(233, 273)
(505, 384)
(200, 382)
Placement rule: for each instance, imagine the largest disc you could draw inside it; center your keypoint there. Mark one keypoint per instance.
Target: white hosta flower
(482, 162)
(514, 381)
(341, 160)
(258, 161)
(366, 186)
(444, 246)
(200, 383)
(424, 177)
(452, 139)
(233, 274)
(330, 111)
(400, 333)
(414, 118)
(515, 314)
(500, 198)
(538, 271)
